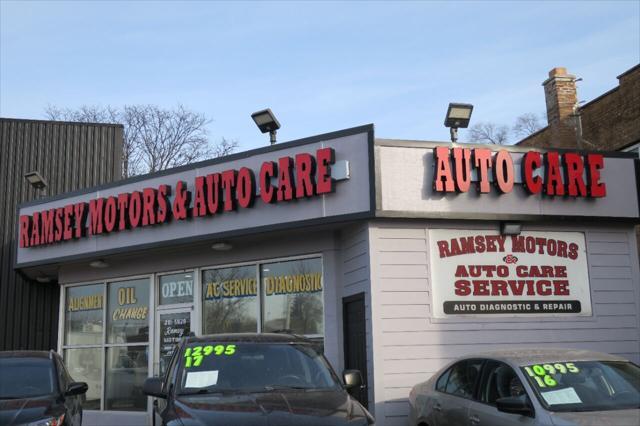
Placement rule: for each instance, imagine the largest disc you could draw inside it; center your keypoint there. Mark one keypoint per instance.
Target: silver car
(553, 387)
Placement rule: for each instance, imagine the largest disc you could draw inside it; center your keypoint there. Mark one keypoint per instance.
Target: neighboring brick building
(610, 122)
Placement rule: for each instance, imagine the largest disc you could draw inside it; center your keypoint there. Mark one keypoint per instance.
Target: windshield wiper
(281, 387)
(206, 391)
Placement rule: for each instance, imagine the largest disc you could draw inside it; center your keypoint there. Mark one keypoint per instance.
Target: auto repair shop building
(398, 255)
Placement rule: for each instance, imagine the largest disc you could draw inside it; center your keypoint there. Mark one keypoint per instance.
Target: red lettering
(57, 235)
(123, 204)
(246, 188)
(482, 161)
(503, 171)
(163, 213)
(267, 171)
(110, 214)
(553, 176)
(47, 219)
(575, 168)
(462, 168)
(148, 206)
(443, 246)
(95, 213)
(135, 209)
(305, 170)
(325, 184)
(67, 232)
(79, 211)
(462, 288)
(597, 189)
(228, 184)
(35, 229)
(285, 179)
(531, 161)
(443, 180)
(213, 193)
(25, 225)
(200, 201)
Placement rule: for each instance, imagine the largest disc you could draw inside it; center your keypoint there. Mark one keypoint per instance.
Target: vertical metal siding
(69, 156)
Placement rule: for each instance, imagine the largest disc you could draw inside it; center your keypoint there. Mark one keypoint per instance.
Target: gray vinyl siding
(356, 278)
(412, 345)
(69, 156)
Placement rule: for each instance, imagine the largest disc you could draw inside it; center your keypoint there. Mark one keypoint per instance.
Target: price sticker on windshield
(543, 374)
(194, 355)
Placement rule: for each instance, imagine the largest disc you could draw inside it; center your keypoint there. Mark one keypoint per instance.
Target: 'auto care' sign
(550, 173)
(305, 176)
(485, 273)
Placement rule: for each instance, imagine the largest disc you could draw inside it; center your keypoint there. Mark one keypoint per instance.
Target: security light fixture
(458, 117)
(36, 180)
(99, 264)
(266, 122)
(510, 228)
(43, 279)
(222, 246)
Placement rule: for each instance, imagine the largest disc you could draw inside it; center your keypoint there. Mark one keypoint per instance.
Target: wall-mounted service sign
(485, 273)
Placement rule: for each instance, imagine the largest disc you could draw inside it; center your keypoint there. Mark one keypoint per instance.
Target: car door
(498, 380)
(453, 405)
(72, 403)
(161, 405)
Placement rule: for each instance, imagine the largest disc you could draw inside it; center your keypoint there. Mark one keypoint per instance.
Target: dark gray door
(355, 341)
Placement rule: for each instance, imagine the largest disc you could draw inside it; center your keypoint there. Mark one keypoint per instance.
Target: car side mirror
(76, 388)
(515, 405)
(352, 379)
(153, 387)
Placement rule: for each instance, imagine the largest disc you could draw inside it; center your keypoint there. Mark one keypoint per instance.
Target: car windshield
(253, 367)
(585, 385)
(26, 377)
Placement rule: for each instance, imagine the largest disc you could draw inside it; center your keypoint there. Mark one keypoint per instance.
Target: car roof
(26, 354)
(250, 338)
(536, 356)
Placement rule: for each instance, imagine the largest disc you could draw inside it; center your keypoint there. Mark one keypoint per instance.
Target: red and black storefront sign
(290, 178)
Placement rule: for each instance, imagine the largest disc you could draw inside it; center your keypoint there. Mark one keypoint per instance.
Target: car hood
(598, 418)
(19, 411)
(303, 408)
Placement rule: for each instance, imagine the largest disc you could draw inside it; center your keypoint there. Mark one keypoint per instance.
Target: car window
(463, 378)
(585, 385)
(171, 371)
(63, 380)
(26, 377)
(441, 384)
(499, 381)
(253, 367)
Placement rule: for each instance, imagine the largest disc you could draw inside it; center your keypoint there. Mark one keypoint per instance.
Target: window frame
(258, 265)
(104, 346)
(476, 385)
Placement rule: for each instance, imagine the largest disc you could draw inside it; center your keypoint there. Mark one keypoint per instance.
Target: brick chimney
(561, 98)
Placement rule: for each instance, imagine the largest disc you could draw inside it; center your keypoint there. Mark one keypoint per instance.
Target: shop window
(127, 369)
(120, 350)
(85, 365)
(176, 288)
(230, 300)
(128, 315)
(292, 293)
(287, 296)
(83, 315)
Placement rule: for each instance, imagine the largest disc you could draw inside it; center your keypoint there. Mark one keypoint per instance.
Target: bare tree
(526, 124)
(489, 133)
(154, 138)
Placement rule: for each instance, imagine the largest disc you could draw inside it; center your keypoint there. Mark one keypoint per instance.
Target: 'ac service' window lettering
(230, 300)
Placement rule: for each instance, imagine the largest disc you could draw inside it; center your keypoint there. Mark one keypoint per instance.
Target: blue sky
(320, 66)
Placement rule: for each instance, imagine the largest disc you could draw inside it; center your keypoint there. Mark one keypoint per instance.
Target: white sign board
(485, 273)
